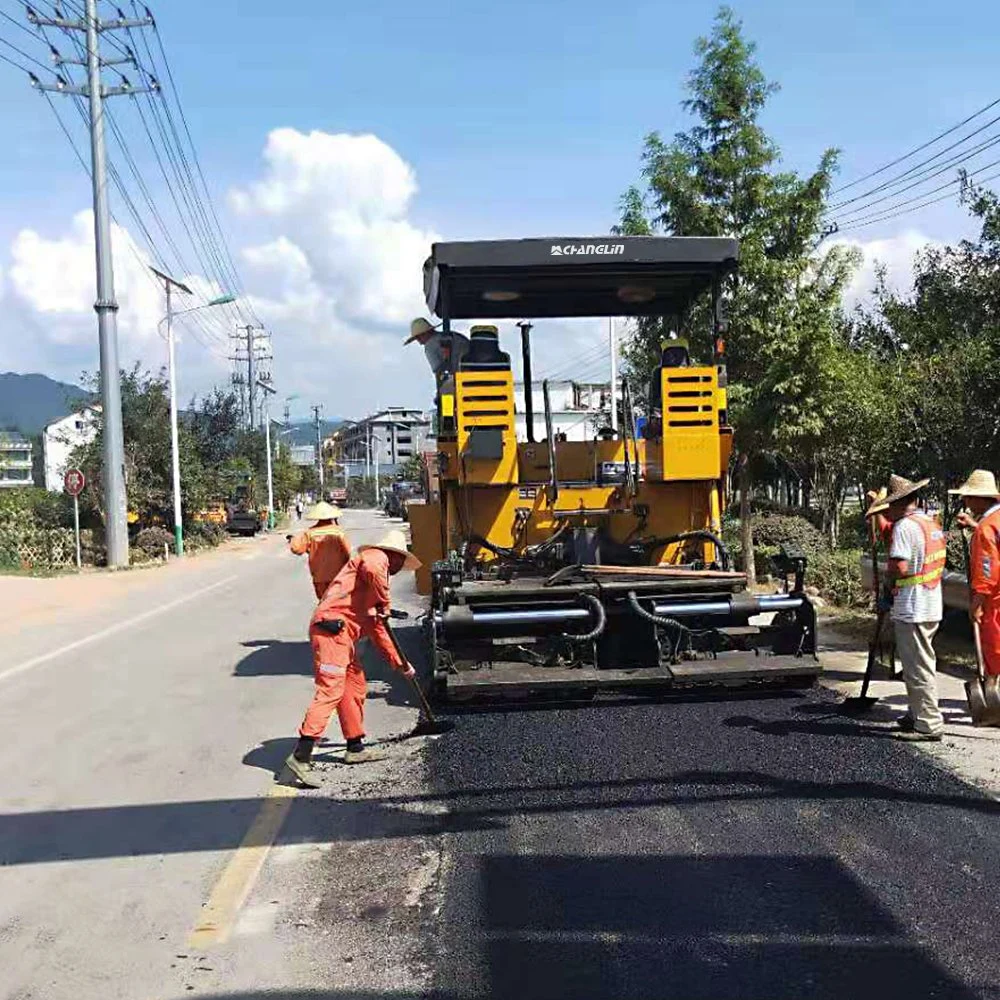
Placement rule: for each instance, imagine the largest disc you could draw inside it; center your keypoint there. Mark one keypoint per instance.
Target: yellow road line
(237, 879)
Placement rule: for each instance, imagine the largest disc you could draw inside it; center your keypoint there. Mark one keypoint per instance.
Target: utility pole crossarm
(71, 24)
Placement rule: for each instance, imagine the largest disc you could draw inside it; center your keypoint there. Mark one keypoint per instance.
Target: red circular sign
(74, 482)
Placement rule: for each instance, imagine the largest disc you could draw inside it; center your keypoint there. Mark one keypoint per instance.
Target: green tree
(940, 348)
(148, 477)
(722, 177)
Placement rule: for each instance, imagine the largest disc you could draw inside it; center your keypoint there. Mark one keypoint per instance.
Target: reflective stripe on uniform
(935, 555)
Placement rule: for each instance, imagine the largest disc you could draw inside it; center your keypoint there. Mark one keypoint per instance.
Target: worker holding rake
(355, 605)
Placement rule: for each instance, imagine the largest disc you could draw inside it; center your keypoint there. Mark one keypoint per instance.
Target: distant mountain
(29, 402)
(304, 431)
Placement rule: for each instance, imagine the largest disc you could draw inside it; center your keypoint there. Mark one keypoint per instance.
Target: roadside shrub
(205, 534)
(853, 532)
(771, 531)
(956, 552)
(837, 576)
(151, 541)
(762, 505)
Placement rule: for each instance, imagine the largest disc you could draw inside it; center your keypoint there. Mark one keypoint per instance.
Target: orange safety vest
(935, 554)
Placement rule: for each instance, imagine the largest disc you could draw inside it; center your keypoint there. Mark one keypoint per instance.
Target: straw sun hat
(899, 489)
(394, 541)
(979, 484)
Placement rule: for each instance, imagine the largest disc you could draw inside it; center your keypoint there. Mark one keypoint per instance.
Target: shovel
(982, 692)
(862, 703)
(429, 724)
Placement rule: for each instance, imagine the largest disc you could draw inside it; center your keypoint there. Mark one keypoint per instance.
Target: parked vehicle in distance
(397, 496)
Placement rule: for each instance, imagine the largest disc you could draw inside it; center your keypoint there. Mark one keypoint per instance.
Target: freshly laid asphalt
(738, 848)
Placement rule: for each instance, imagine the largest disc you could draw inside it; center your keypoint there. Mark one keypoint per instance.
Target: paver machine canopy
(594, 563)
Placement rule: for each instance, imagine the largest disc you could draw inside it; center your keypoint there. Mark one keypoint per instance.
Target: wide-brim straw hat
(323, 511)
(420, 327)
(394, 541)
(981, 483)
(899, 489)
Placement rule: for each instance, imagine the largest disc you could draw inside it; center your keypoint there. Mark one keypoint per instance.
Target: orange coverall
(328, 551)
(358, 595)
(984, 576)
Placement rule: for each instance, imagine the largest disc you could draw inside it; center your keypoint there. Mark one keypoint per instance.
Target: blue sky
(516, 118)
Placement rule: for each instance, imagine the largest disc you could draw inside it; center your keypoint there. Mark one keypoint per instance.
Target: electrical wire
(916, 171)
(940, 187)
(940, 169)
(908, 211)
(917, 149)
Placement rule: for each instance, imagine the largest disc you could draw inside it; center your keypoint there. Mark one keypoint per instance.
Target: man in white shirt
(444, 353)
(917, 555)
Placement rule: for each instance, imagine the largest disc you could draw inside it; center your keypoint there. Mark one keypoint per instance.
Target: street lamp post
(175, 461)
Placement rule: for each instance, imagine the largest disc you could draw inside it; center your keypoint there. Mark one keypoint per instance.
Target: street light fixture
(220, 300)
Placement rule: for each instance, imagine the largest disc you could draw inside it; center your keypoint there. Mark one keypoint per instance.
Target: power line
(940, 187)
(944, 168)
(917, 149)
(915, 173)
(908, 211)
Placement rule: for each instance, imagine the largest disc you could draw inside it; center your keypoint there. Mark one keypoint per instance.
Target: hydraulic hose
(600, 616)
(655, 619)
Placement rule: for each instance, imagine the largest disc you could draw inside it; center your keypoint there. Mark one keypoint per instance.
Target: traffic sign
(74, 482)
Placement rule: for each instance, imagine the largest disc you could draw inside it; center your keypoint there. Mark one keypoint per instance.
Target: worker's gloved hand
(407, 671)
(966, 520)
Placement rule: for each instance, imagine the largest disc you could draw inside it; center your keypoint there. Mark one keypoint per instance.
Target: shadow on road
(275, 658)
(220, 824)
(672, 927)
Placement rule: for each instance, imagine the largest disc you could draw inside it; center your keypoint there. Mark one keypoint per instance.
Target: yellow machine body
(507, 500)
(598, 563)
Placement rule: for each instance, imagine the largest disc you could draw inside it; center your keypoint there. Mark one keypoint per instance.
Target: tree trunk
(746, 523)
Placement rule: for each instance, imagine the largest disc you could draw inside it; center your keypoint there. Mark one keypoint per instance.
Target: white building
(15, 459)
(578, 408)
(61, 437)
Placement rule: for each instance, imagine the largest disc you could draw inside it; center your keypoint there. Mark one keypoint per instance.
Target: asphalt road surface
(741, 847)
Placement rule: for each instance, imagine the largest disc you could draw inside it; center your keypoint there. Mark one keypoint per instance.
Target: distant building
(577, 409)
(15, 459)
(302, 454)
(392, 437)
(62, 437)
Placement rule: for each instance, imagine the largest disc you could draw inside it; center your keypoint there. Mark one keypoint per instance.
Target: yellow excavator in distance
(577, 566)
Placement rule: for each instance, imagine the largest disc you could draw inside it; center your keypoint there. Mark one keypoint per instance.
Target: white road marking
(54, 654)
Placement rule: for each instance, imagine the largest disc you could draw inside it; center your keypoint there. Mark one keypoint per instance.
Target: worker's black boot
(299, 762)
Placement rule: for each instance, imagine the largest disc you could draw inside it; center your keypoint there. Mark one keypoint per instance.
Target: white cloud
(895, 254)
(49, 292)
(338, 204)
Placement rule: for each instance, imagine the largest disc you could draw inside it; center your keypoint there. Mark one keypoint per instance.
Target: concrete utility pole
(613, 351)
(251, 375)
(268, 390)
(115, 499)
(319, 446)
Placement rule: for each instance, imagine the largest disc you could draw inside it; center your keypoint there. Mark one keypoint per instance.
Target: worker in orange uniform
(981, 498)
(915, 569)
(326, 545)
(355, 605)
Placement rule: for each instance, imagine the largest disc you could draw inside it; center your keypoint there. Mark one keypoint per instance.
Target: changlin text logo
(586, 249)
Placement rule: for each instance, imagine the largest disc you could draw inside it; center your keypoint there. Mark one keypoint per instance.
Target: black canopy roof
(574, 276)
